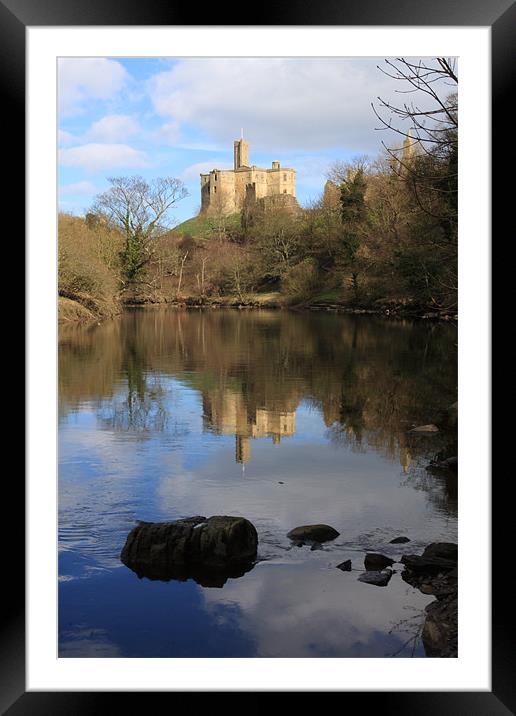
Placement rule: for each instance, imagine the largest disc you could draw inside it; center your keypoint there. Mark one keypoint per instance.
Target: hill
(202, 227)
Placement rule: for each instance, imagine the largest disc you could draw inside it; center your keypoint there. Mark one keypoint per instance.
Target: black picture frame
(15, 16)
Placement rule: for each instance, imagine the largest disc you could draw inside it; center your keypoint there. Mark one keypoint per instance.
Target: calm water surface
(284, 418)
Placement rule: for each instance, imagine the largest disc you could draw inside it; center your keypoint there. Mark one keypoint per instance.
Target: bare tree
(432, 128)
(180, 279)
(427, 164)
(139, 209)
(341, 172)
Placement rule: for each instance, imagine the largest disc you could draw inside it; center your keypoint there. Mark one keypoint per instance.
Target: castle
(224, 191)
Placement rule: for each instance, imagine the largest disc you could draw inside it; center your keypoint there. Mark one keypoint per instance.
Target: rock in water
(345, 566)
(437, 557)
(449, 464)
(442, 550)
(374, 561)
(314, 533)
(377, 577)
(425, 429)
(399, 540)
(206, 550)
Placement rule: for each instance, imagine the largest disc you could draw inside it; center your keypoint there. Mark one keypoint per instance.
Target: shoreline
(395, 311)
(71, 311)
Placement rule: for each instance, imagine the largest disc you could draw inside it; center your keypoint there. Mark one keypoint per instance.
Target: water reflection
(160, 412)
(371, 380)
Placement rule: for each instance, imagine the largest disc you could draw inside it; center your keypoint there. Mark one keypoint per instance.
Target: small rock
(315, 533)
(316, 545)
(425, 429)
(345, 566)
(280, 483)
(426, 589)
(374, 561)
(380, 578)
(453, 413)
(450, 463)
(399, 540)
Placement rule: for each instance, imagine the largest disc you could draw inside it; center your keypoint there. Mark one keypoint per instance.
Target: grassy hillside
(202, 227)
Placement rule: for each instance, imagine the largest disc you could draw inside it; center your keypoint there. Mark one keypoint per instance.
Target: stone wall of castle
(223, 191)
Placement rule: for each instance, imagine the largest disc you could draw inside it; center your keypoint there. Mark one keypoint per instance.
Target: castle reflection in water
(368, 380)
(227, 413)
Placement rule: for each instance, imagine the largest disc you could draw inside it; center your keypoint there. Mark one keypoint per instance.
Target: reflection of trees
(371, 380)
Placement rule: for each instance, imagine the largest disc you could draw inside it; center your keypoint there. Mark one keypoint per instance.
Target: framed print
(242, 464)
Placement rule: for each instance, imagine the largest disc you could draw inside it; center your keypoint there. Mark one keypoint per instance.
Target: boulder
(441, 628)
(380, 578)
(438, 557)
(399, 540)
(374, 561)
(442, 550)
(206, 550)
(313, 533)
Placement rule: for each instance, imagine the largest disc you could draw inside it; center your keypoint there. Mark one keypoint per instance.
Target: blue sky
(159, 117)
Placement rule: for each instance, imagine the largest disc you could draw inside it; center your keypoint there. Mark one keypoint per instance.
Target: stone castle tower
(224, 191)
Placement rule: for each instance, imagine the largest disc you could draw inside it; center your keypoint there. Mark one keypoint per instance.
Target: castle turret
(241, 153)
(408, 147)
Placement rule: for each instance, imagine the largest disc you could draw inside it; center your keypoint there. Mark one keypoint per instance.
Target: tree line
(384, 231)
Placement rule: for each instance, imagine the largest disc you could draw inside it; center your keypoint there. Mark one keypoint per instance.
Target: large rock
(435, 572)
(380, 578)
(376, 561)
(206, 550)
(437, 557)
(313, 533)
(441, 627)
(442, 550)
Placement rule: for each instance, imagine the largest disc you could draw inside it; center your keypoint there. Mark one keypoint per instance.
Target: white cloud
(168, 133)
(81, 79)
(64, 138)
(113, 128)
(282, 103)
(193, 171)
(79, 188)
(99, 157)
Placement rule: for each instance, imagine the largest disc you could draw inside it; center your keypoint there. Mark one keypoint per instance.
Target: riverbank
(84, 308)
(389, 310)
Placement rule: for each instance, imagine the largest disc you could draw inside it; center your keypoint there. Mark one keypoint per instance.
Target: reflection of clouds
(87, 642)
(353, 492)
(109, 480)
(312, 610)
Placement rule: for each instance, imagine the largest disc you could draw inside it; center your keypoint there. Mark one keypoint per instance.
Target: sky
(163, 117)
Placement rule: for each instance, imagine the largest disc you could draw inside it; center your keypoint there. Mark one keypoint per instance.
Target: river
(286, 418)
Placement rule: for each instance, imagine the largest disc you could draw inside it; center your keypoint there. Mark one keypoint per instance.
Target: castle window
(215, 189)
(284, 191)
(284, 177)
